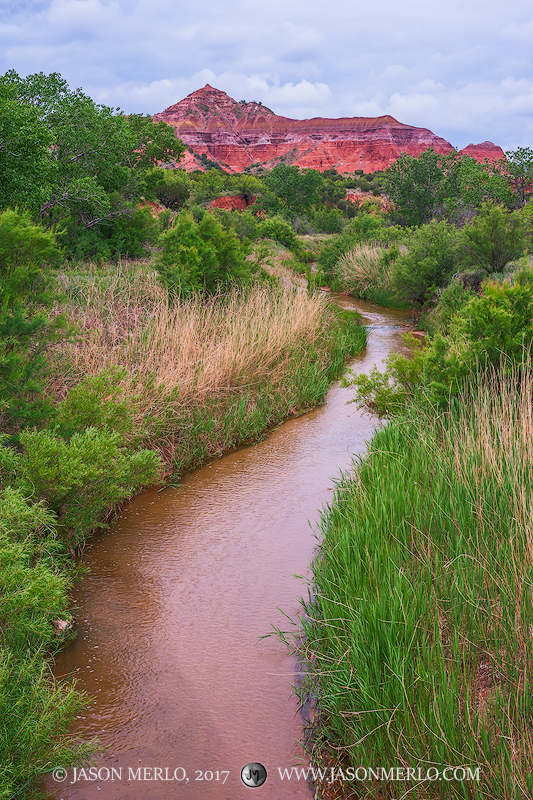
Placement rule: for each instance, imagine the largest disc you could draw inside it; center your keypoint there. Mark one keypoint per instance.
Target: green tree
(170, 186)
(483, 182)
(26, 168)
(518, 165)
(494, 237)
(99, 156)
(297, 190)
(420, 187)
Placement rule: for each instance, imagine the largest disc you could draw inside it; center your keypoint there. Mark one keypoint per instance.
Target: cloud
(463, 70)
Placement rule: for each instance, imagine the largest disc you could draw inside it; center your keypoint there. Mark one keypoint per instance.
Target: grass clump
(198, 376)
(418, 631)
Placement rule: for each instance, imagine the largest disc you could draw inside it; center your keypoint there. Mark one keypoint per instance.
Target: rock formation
(484, 150)
(240, 135)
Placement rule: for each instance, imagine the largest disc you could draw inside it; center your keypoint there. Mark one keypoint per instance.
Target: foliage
(481, 183)
(297, 190)
(387, 392)
(518, 165)
(99, 156)
(494, 237)
(328, 220)
(35, 710)
(419, 187)
(26, 253)
(170, 186)
(493, 330)
(100, 401)
(362, 228)
(429, 263)
(201, 256)
(80, 479)
(207, 186)
(278, 229)
(127, 234)
(25, 164)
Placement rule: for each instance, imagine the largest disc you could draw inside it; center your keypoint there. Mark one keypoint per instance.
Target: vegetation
(115, 374)
(119, 373)
(417, 629)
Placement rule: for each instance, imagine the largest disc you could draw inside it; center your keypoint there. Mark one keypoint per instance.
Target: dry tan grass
(182, 353)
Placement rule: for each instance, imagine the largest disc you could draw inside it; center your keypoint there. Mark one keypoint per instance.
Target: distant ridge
(237, 135)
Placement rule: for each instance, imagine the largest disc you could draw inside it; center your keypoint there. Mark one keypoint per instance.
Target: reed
(194, 366)
(361, 269)
(418, 634)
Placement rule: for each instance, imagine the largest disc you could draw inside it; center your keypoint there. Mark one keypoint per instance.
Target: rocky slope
(238, 135)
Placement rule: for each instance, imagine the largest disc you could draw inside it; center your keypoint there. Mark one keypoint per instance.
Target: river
(182, 588)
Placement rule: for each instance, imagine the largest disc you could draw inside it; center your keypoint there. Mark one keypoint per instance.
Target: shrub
(82, 478)
(278, 229)
(495, 237)
(429, 263)
(170, 187)
(201, 256)
(100, 401)
(328, 220)
(26, 254)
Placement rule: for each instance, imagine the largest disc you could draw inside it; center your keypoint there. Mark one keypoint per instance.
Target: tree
(419, 187)
(170, 186)
(25, 164)
(98, 156)
(494, 237)
(518, 165)
(484, 182)
(297, 190)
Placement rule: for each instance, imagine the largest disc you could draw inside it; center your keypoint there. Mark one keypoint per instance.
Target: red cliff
(482, 151)
(238, 135)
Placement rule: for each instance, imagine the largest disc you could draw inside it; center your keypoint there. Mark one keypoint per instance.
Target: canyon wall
(240, 135)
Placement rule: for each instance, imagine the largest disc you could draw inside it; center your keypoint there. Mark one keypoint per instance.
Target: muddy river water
(180, 592)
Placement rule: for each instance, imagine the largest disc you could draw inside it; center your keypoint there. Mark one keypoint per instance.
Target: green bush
(35, 710)
(82, 478)
(26, 290)
(201, 256)
(127, 234)
(98, 401)
(493, 330)
(278, 229)
(328, 220)
(171, 187)
(430, 262)
(494, 238)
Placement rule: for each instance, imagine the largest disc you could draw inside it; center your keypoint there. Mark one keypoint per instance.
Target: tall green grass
(419, 632)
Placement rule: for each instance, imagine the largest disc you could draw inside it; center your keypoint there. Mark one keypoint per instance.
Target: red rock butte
(237, 135)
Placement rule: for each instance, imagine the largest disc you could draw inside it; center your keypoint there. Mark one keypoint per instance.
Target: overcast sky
(463, 68)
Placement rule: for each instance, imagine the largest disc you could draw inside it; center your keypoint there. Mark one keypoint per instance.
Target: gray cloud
(462, 69)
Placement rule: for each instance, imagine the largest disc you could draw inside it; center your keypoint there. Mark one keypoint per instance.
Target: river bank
(191, 679)
(123, 422)
(417, 635)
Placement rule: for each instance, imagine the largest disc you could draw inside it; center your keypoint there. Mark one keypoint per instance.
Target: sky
(462, 68)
